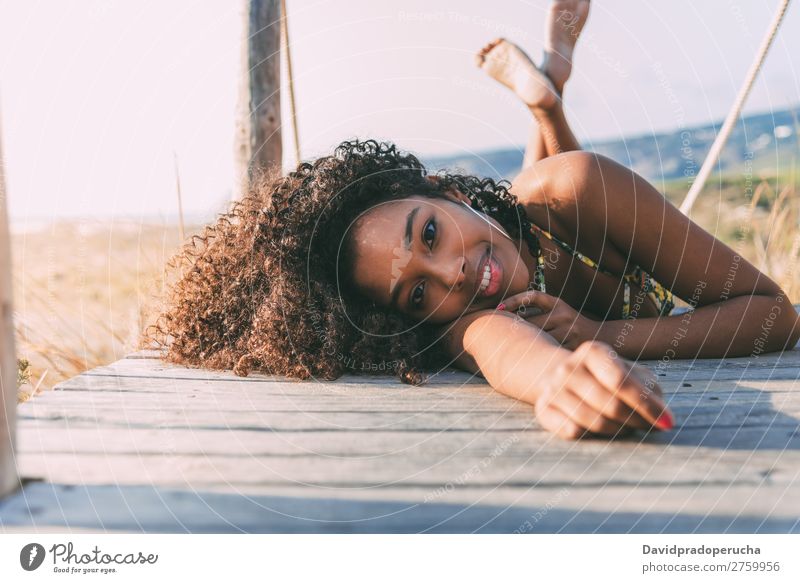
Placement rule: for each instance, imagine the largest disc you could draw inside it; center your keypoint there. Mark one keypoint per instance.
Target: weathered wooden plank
(185, 394)
(49, 508)
(517, 417)
(146, 354)
(764, 359)
(49, 436)
(704, 416)
(156, 389)
(787, 359)
(765, 499)
(310, 421)
(145, 367)
(277, 405)
(529, 468)
(374, 392)
(450, 457)
(728, 374)
(785, 366)
(766, 502)
(186, 388)
(454, 378)
(705, 446)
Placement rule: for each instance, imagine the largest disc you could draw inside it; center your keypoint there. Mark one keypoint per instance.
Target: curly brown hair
(267, 286)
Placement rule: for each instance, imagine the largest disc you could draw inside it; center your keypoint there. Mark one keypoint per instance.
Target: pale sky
(98, 94)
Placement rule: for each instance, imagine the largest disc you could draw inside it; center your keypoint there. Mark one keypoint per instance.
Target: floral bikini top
(639, 277)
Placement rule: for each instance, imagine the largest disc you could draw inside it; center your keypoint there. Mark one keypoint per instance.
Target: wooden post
(8, 359)
(258, 119)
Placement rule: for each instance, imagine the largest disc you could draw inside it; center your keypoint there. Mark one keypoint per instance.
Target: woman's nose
(453, 274)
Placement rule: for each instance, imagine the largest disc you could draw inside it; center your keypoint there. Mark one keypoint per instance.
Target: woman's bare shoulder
(551, 189)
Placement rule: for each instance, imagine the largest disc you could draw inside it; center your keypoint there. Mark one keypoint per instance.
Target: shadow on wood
(46, 507)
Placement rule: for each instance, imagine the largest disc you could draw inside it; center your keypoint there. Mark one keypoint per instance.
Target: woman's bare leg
(554, 132)
(536, 148)
(564, 25)
(542, 90)
(506, 63)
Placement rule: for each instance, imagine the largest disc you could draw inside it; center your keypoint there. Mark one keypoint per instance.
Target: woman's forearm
(740, 326)
(513, 355)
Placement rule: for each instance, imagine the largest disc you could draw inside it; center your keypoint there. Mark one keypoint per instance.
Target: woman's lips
(495, 277)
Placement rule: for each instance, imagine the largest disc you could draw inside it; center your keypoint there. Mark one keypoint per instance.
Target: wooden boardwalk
(144, 446)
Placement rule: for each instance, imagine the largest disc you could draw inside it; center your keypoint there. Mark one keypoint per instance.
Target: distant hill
(768, 140)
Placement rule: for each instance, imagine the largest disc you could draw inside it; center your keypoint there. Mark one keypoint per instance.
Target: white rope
(733, 115)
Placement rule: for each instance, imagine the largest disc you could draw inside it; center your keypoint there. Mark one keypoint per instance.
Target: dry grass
(760, 220)
(85, 290)
(775, 238)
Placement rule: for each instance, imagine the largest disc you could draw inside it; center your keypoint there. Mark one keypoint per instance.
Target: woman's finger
(528, 299)
(648, 378)
(555, 421)
(587, 389)
(616, 376)
(584, 415)
(610, 407)
(543, 321)
(583, 386)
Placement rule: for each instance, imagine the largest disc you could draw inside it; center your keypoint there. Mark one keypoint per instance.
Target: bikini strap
(639, 276)
(574, 252)
(538, 274)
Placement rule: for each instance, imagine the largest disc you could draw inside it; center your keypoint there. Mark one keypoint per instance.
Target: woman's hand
(554, 316)
(593, 391)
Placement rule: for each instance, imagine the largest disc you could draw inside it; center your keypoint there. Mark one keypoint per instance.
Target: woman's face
(434, 259)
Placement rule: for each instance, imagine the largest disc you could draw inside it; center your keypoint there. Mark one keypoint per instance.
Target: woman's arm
(741, 326)
(509, 353)
(738, 309)
(589, 390)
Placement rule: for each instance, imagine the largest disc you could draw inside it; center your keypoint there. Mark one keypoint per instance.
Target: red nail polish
(665, 421)
(501, 306)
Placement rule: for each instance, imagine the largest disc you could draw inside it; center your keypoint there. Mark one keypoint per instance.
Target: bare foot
(505, 62)
(565, 24)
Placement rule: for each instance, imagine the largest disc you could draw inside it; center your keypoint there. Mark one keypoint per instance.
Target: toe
(480, 57)
(496, 42)
(490, 45)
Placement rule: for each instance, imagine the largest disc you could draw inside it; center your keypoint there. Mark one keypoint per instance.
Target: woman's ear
(451, 193)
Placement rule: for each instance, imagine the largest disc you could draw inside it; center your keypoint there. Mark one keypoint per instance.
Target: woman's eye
(428, 235)
(429, 232)
(417, 295)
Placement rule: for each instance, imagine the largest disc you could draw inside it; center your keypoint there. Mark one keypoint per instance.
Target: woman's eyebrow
(409, 228)
(407, 246)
